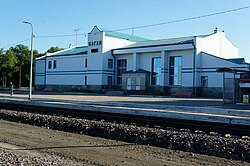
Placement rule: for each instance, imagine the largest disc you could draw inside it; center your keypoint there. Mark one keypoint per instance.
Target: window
(204, 81)
(54, 64)
(50, 65)
(156, 71)
(85, 80)
(110, 63)
(95, 50)
(175, 65)
(86, 62)
(121, 68)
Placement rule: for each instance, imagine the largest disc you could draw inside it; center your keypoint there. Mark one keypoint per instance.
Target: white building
(115, 60)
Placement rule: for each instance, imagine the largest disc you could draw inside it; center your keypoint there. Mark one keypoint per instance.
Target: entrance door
(129, 84)
(110, 82)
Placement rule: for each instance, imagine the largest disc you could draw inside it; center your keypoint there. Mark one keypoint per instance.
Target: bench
(182, 94)
(47, 89)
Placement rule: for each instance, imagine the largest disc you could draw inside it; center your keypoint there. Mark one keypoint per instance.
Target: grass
(19, 89)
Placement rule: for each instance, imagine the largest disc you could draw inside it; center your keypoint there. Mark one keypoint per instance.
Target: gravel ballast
(231, 148)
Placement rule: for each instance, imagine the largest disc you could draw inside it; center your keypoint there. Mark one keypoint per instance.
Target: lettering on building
(95, 43)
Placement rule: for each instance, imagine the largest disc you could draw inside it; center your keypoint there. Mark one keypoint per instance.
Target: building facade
(112, 60)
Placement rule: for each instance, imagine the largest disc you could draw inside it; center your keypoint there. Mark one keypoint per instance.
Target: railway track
(164, 123)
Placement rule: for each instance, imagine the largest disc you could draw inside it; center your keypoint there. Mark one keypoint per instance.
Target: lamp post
(76, 30)
(20, 76)
(31, 58)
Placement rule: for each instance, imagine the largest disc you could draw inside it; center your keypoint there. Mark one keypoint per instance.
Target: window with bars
(121, 68)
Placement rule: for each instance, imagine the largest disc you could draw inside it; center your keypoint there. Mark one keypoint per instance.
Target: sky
(62, 17)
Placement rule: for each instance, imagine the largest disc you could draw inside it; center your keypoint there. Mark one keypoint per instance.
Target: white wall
(217, 44)
(210, 61)
(40, 66)
(95, 59)
(145, 60)
(129, 58)
(39, 79)
(67, 63)
(209, 65)
(112, 43)
(39, 72)
(98, 62)
(65, 79)
(69, 70)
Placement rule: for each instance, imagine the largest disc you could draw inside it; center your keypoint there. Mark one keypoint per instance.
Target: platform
(209, 110)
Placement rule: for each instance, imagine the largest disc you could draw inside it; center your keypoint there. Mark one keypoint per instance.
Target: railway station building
(181, 66)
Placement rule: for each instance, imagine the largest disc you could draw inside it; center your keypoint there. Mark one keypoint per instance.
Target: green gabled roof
(160, 42)
(123, 36)
(237, 60)
(72, 51)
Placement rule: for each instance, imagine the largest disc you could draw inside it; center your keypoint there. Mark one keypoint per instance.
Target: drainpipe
(194, 75)
(114, 66)
(45, 71)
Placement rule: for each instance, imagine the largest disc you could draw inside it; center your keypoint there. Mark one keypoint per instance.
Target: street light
(76, 30)
(31, 57)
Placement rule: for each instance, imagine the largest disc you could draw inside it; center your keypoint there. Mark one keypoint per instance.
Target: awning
(230, 70)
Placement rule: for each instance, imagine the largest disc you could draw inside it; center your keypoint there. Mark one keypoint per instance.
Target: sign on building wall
(95, 43)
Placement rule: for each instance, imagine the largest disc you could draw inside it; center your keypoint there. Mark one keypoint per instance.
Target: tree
(15, 65)
(27, 73)
(22, 53)
(54, 49)
(8, 66)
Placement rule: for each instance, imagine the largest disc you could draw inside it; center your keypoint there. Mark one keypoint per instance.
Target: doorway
(110, 82)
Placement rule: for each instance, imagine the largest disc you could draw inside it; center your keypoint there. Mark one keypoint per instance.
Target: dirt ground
(22, 144)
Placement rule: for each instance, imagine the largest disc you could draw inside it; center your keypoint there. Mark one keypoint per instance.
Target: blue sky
(61, 17)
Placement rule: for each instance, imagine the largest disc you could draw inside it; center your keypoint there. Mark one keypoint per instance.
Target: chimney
(216, 29)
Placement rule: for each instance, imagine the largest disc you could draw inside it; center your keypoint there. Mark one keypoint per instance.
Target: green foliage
(54, 49)
(22, 53)
(8, 66)
(14, 61)
(15, 64)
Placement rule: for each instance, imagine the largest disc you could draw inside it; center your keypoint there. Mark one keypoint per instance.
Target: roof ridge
(228, 59)
(121, 35)
(236, 58)
(174, 38)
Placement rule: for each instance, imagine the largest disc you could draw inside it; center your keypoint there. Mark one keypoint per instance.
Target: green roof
(123, 36)
(237, 60)
(159, 42)
(72, 51)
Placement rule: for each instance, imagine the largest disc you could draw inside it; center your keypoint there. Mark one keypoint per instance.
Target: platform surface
(212, 110)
